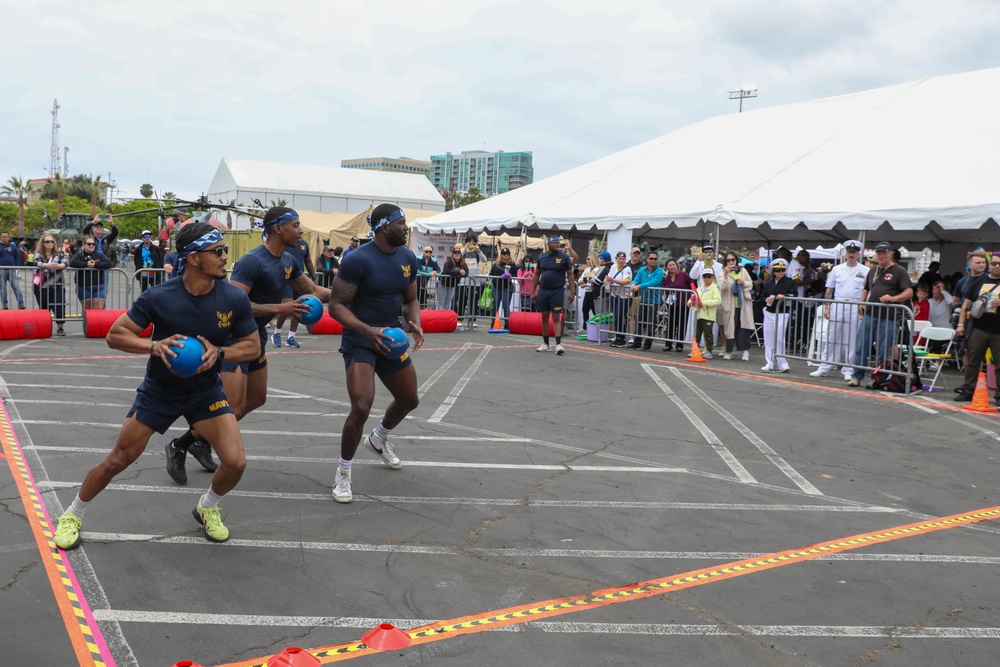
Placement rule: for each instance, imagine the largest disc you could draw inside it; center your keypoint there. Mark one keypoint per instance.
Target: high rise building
(402, 165)
(491, 173)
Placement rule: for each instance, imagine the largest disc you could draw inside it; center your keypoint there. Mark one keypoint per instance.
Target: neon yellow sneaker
(215, 530)
(68, 531)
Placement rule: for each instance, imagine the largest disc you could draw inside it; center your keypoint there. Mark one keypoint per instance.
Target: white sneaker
(767, 369)
(384, 451)
(544, 347)
(707, 355)
(342, 488)
(746, 355)
(818, 374)
(847, 377)
(785, 369)
(559, 349)
(727, 356)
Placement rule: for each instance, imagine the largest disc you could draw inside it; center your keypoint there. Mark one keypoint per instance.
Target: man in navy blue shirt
(300, 252)
(200, 305)
(10, 256)
(263, 273)
(547, 291)
(372, 284)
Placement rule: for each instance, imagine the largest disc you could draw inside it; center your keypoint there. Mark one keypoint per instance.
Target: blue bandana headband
(198, 244)
(286, 217)
(392, 217)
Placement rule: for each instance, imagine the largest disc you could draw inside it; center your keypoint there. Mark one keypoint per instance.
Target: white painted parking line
(450, 400)
(425, 387)
(741, 473)
(974, 426)
(818, 631)
(757, 442)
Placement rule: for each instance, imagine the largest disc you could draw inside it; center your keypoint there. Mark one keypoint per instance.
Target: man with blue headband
(373, 283)
(263, 273)
(199, 306)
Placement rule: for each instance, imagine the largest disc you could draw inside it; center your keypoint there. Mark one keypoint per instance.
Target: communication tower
(54, 153)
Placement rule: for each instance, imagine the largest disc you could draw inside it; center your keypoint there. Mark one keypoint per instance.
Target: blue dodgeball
(315, 309)
(398, 342)
(188, 358)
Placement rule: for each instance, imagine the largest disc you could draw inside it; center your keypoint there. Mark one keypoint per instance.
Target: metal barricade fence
(66, 294)
(833, 333)
(509, 295)
(657, 313)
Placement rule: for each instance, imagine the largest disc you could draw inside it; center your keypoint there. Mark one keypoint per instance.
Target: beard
(396, 238)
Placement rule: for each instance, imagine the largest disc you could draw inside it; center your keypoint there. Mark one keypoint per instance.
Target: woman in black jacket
(91, 265)
(453, 269)
(776, 312)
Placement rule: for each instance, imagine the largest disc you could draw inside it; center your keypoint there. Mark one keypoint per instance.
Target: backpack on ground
(894, 383)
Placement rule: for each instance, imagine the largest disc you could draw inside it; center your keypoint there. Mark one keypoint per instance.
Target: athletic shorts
(249, 366)
(381, 363)
(158, 406)
(550, 300)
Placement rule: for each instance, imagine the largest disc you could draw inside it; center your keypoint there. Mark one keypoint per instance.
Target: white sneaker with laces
(559, 349)
(727, 356)
(342, 487)
(384, 451)
(746, 355)
(818, 374)
(767, 369)
(544, 347)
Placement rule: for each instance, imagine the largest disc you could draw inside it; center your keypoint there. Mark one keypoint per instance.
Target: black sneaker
(202, 452)
(617, 343)
(669, 347)
(175, 463)
(962, 397)
(680, 349)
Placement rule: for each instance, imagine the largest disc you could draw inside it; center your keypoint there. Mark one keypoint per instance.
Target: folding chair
(921, 352)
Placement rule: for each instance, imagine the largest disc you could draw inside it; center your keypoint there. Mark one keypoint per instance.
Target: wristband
(152, 347)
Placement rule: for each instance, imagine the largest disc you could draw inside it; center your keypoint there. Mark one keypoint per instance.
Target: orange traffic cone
(293, 656)
(498, 327)
(186, 663)
(696, 353)
(386, 637)
(981, 397)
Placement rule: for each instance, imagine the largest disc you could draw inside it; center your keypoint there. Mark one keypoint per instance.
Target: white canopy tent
(913, 163)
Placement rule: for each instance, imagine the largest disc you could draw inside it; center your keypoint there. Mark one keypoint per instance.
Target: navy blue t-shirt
(553, 269)
(266, 276)
(222, 315)
(382, 280)
(299, 252)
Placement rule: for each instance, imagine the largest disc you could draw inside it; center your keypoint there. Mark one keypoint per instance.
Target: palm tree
(95, 186)
(20, 188)
(146, 190)
(229, 214)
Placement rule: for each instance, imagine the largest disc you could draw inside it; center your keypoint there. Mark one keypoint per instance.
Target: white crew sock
(78, 507)
(210, 499)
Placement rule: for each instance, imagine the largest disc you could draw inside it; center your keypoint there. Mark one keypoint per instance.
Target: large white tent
(319, 188)
(914, 163)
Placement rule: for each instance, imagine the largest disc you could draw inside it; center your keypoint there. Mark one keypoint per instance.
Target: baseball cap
(707, 271)
(326, 247)
(146, 231)
(355, 238)
(605, 256)
(779, 264)
(707, 246)
(621, 253)
(636, 249)
(852, 246)
(883, 246)
(505, 251)
(554, 239)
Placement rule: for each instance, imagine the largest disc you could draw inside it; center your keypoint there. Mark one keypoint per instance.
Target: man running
(300, 251)
(555, 268)
(200, 305)
(372, 283)
(263, 273)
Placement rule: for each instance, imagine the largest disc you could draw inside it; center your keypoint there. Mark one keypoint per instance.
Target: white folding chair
(921, 350)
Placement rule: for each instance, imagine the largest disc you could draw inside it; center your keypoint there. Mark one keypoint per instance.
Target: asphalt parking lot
(537, 491)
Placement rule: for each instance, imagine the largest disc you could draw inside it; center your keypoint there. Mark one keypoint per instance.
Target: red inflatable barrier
(431, 321)
(438, 321)
(97, 323)
(16, 324)
(326, 325)
(528, 324)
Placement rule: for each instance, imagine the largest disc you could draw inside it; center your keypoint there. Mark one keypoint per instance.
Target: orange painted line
(86, 639)
(535, 611)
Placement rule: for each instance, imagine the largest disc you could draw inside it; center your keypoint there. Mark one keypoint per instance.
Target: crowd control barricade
(143, 279)
(657, 313)
(836, 334)
(66, 294)
(507, 295)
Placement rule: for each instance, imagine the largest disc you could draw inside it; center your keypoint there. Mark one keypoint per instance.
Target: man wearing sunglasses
(200, 305)
(427, 268)
(263, 273)
(148, 260)
(91, 277)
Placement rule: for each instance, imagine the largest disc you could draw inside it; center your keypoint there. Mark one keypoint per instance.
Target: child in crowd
(709, 298)
(922, 306)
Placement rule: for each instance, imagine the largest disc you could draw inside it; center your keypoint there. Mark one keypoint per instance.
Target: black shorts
(158, 406)
(550, 300)
(249, 366)
(382, 363)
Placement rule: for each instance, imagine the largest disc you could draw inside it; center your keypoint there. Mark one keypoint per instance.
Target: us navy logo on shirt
(558, 260)
(288, 272)
(224, 319)
(406, 270)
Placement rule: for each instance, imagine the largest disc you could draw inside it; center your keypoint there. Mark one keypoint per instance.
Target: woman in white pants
(776, 314)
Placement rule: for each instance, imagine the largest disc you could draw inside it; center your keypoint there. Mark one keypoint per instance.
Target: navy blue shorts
(550, 300)
(382, 363)
(158, 406)
(249, 366)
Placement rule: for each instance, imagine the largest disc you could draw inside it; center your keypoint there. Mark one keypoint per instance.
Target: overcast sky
(159, 92)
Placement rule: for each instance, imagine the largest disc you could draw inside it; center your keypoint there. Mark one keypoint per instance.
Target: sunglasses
(219, 251)
(779, 270)
(730, 260)
(89, 245)
(48, 241)
(426, 252)
(994, 263)
(147, 236)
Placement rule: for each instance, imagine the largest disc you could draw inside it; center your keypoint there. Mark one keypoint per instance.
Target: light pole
(742, 94)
